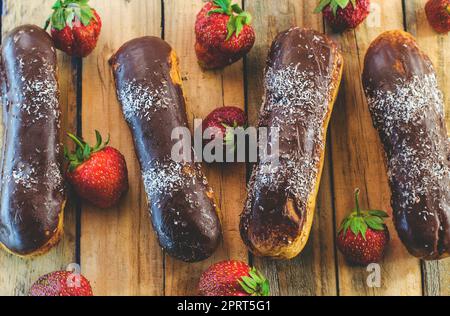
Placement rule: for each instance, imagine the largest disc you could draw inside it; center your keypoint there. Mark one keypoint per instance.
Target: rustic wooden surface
(117, 248)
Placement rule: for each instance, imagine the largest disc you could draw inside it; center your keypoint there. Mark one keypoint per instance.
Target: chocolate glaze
(407, 110)
(182, 207)
(302, 76)
(32, 187)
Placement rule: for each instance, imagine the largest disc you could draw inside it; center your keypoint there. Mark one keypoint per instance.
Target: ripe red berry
(75, 27)
(61, 283)
(363, 236)
(222, 119)
(223, 34)
(98, 174)
(342, 15)
(233, 278)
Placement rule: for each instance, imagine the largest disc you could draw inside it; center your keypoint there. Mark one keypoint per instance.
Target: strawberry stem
(358, 210)
(83, 151)
(76, 140)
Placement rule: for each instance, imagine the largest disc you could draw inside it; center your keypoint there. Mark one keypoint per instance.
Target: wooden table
(117, 248)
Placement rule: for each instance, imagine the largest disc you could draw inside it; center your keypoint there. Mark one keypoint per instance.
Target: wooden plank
(358, 162)
(205, 91)
(119, 251)
(313, 271)
(17, 275)
(436, 274)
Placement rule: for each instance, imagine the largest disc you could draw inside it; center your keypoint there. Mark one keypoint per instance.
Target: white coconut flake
(40, 93)
(140, 101)
(418, 167)
(407, 103)
(297, 101)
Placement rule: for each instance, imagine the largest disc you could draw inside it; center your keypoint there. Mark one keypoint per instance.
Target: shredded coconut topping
(24, 175)
(40, 92)
(407, 103)
(418, 167)
(164, 178)
(297, 104)
(140, 101)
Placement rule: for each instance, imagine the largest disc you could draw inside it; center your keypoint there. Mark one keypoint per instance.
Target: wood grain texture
(118, 248)
(358, 161)
(436, 274)
(17, 275)
(119, 251)
(313, 271)
(205, 91)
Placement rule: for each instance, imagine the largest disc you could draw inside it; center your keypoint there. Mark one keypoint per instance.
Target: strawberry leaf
(246, 288)
(239, 25)
(220, 11)
(231, 27)
(359, 221)
(98, 137)
(250, 282)
(57, 5)
(237, 9)
(342, 3)
(254, 274)
(374, 219)
(363, 229)
(334, 4)
(238, 17)
(225, 5)
(378, 213)
(66, 11)
(86, 15)
(255, 284)
(265, 288)
(322, 5)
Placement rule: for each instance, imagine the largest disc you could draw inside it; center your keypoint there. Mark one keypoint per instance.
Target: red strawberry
(61, 283)
(223, 34)
(363, 237)
(98, 174)
(233, 278)
(75, 27)
(223, 120)
(438, 14)
(344, 14)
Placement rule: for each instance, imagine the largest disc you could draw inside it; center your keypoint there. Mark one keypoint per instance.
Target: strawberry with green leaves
(223, 34)
(342, 15)
(98, 174)
(233, 278)
(75, 27)
(363, 236)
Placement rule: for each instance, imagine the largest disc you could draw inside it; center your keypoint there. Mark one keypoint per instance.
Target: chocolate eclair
(302, 79)
(182, 207)
(32, 186)
(407, 109)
